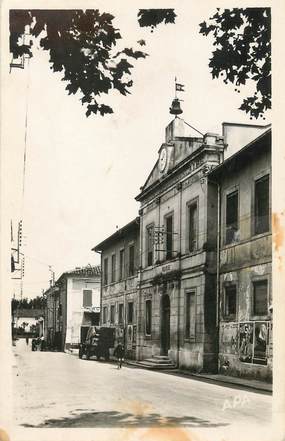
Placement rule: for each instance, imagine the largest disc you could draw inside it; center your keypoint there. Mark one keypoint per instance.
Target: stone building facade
(245, 256)
(119, 290)
(177, 295)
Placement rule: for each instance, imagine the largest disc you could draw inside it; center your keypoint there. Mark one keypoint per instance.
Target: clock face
(162, 159)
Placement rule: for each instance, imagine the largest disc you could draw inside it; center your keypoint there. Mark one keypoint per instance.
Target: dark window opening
(131, 260)
(193, 226)
(149, 245)
(122, 264)
(260, 297)
(130, 312)
(106, 271)
(112, 314)
(121, 313)
(169, 237)
(113, 273)
(232, 217)
(148, 317)
(261, 205)
(190, 319)
(230, 301)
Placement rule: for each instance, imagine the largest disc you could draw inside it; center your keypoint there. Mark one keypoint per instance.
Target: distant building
(244, 270)
(119, 299)
(72, 304)
(29, 320)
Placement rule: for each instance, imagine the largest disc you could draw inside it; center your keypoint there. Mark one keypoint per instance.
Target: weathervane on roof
(175, 108)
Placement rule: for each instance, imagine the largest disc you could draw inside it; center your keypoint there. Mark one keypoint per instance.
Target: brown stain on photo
(137, 408)
(4, 435)
(278, 235)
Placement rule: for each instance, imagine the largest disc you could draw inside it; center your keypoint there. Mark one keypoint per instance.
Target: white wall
(75, 310)
(239, 135)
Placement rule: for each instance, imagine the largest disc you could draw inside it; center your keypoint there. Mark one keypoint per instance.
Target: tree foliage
(242, 40)
(82, 45)
(153, 17)
(25, 303)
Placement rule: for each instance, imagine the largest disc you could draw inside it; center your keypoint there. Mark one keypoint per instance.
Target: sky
(82, 174)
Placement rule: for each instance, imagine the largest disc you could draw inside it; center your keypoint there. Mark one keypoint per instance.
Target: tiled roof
(85, 271)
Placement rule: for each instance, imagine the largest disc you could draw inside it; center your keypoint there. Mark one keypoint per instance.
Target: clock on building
(162, 159)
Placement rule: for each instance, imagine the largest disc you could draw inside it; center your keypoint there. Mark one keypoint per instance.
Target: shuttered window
(169, 237)
(148, 317)
(193, 226)
(231, 217)
(262, 205)
(190, 319)
(87, 297)
(260, 297)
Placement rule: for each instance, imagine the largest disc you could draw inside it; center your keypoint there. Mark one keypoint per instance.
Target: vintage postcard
(142, 221)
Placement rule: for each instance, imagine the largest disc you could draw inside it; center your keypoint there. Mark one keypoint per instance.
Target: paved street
(58, 390)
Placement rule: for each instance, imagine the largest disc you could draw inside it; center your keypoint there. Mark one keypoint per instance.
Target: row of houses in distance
(190, 277)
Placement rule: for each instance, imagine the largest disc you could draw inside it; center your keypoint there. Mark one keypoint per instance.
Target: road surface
(58, 390)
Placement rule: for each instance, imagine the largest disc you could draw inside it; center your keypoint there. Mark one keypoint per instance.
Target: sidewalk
(245, 383)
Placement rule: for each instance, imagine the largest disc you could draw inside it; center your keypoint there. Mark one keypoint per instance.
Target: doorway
(165, 324)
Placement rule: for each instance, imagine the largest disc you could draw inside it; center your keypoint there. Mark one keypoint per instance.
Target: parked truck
(98, 341)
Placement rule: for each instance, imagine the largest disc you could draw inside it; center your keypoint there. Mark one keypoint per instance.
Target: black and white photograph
(142, 227)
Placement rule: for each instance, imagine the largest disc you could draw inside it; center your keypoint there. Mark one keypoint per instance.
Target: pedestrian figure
(27, 341)
(119, 353)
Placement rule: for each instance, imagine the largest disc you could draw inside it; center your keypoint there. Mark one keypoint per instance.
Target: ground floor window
(112, 314)
(121, 313)
(148, 317)
(230, 301)
(190, 315)
(130, 312)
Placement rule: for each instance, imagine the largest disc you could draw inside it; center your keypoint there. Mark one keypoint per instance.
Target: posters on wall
(260, 342)
(253, 342)
(246, 342)
(229, 338)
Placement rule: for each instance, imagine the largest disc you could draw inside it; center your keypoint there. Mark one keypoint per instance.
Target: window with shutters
(121, 314)
(169, 236)
(112, 314)
(232, 231)
(148, 317)
(106, 271)
(87, 297)
(130, 312)
(113, 272)
(193, 226)
(131, 260)
(190, 315)
(230, 300)
(261, 205)
(260, 302)
(149, 244)
(122, 264)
